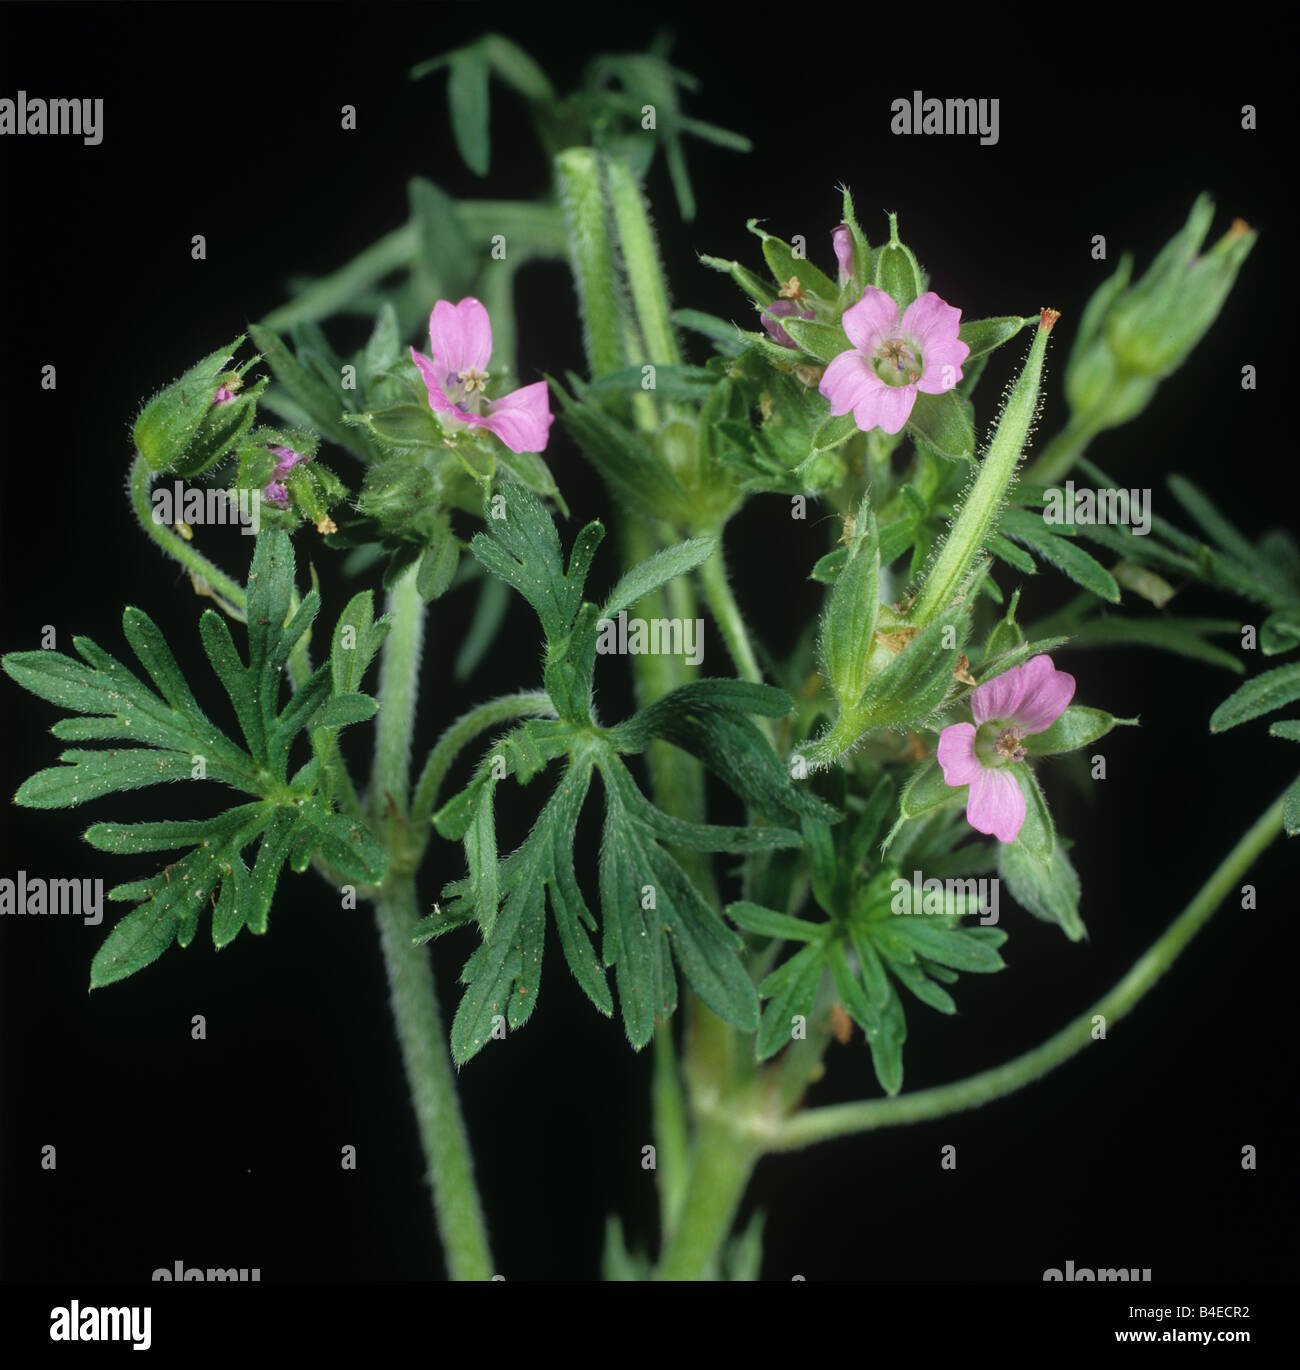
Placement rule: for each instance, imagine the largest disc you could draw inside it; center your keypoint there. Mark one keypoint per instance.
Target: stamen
(1008, 744)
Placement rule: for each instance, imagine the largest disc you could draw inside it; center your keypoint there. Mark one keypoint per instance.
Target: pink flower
(275, 493)
(842, 239)
(223, 396)
(1025, 700)
(288, 459)
(782, 309)
(891, 359)
(460, 338)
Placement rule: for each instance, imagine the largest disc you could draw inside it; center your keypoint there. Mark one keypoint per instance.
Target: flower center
(897, 362)
(1008, 745)
(465, 389)
(999, 745)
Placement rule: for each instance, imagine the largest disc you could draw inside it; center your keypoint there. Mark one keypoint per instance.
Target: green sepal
(824, 341)
(438, 564)
(169, 425)
(916, 681)
(1076, 727)
(783, 263)
(1049, 890)
(850, 623)
(754, 286)
(983, 335)
(897, 272)
(942, 422)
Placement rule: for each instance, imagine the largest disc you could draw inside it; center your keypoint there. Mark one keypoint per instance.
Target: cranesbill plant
(912, 729)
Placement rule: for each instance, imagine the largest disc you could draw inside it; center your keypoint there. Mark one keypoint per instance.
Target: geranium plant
(912, 730)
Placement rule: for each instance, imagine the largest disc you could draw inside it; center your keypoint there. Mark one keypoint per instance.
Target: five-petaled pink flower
(892, 358)
(460, 337)
(1025, 700)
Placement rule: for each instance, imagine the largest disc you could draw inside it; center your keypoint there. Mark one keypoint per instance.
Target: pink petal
(1046, 692)
(929, 321)
(847, 381)
(432, 383)
(892, 407)
(461, 336)
(942, 367)
(782, 309)
(956, 754)
(521, 419)
(998, 698)
(842, 240)
(873, 317)
(866, 412)
(996, 804)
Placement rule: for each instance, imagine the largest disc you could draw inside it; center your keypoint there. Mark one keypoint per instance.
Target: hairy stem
(722, 604)
(818, 1124)
(432, 1083)
(399, 673)
(175, 546)
(413, 995)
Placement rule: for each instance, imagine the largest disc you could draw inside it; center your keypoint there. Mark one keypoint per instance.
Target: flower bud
(842, 240)
(199, 418)
(1155, 325)
(1132, 336)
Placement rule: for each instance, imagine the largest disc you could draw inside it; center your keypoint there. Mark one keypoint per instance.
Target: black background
(225, 121)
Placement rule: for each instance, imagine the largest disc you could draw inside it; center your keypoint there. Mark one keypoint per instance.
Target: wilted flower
(782, 309)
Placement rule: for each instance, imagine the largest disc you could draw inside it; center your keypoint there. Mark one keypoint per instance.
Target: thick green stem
(413, 994)
(399, 675)
(818, 1124)
(722, 1165)
(672, 1141)
(641, 261)
(591, 254)
(432, 1083)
